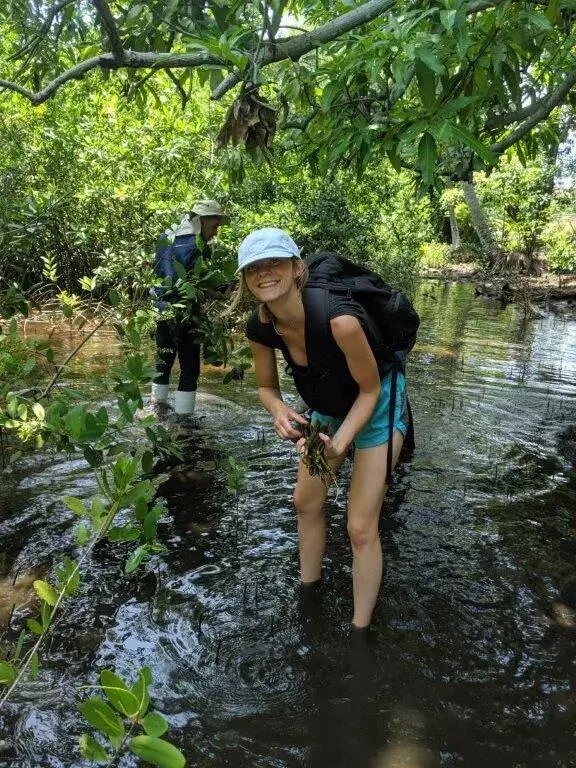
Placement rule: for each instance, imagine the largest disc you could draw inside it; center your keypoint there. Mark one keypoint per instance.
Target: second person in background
(185, 244)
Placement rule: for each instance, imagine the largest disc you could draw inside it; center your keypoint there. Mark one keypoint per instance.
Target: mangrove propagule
(313, 454)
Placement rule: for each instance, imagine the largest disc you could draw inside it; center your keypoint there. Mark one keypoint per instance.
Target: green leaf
(463, 39)
(123, 533)
(91, 750)
(427, 156)
(125, 410)
(180, 269)
(98, 513)
(102, 717)
(512, 79)
(498, 54)
(143, 489)
(328, 95)
(7, 675)
(157, 751)
(46, 592)
(154, 724)
(140, 691)
(447, 18)
(414, 131)
(118, 693)
(35, 626)
(426, 84)
(136, 558)
(39, 411)
(45, 615)
(33, 667)
(468, 138)
(12, 406)
(75, 420)
(429, 58)
(82, 533)
(19, 645)
(150, 524)
(147, 461)
(69, 575)
(76, 505)
(395, 160)
(140, 508)
(552, 10)
(538, 19)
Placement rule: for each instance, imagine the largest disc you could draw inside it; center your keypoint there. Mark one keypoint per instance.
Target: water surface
(478, 533)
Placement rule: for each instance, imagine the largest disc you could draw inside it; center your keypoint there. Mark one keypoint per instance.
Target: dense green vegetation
(442, 90)
(88, 181)
(433, 84)
(403, 135)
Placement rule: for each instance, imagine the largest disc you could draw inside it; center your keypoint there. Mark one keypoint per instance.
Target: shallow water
(478, 534)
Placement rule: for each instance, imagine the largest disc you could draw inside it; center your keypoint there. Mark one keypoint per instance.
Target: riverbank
(536, 293)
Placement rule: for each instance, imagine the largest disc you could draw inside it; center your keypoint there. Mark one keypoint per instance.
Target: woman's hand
(332, 448)
(284, 418)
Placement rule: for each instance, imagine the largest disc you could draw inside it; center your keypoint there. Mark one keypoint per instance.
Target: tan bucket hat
(210, 208)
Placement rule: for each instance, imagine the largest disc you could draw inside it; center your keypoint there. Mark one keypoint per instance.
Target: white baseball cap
(266, 243)
(210, 208)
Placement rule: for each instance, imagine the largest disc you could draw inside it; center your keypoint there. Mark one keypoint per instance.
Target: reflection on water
(478, 534)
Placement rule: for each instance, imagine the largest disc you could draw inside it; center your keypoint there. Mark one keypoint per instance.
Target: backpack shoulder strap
(317, 331)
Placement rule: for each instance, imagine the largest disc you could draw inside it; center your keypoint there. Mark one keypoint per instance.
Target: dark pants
(173, 339)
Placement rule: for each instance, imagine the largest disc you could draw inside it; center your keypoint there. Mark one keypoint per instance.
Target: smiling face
(270, 279)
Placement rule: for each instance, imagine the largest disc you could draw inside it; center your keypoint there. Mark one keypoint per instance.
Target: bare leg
(309, 497)
(367, 490)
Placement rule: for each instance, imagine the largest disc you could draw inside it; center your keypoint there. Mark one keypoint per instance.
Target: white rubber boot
(159, 393)
(184, 402)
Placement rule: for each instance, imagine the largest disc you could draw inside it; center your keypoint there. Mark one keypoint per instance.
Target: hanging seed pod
(251, 119)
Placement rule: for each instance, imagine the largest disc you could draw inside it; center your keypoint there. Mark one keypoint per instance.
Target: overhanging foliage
(444, 87)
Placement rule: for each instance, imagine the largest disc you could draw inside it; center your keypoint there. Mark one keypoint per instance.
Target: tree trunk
(454, 231)
(481, 226)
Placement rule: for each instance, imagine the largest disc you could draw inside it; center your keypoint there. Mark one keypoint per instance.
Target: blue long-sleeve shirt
(186, 248)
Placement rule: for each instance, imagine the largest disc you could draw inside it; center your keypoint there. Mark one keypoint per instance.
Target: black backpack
(390, 310)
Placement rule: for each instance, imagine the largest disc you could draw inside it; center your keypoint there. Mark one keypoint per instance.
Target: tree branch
(18, 89)
(178, 86)
(295, 47)
(226, 85)
(521, 114)
(303, 123)
(44, 29)
(285, 48)
(132, 60)
(274, 50)
(111, 29)
(540, 112)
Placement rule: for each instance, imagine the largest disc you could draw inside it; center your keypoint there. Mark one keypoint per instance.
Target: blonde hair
(242, 293)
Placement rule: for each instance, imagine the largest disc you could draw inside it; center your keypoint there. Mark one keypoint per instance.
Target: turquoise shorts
(376, 431)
